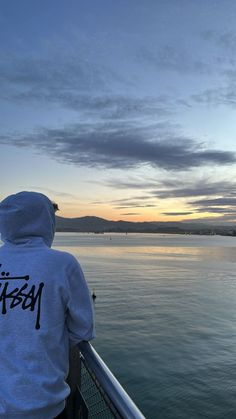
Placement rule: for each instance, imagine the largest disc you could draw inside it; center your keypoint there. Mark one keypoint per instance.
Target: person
(45, 308)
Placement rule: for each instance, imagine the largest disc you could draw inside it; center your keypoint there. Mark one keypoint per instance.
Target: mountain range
(91, 224)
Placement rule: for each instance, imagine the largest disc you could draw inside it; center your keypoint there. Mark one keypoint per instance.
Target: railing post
(74, 380)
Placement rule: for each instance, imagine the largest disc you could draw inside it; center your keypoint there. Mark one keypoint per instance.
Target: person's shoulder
(64, 258)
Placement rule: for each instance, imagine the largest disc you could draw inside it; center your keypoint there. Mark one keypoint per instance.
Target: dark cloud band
(104, 145)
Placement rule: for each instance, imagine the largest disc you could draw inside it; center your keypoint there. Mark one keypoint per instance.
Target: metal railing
(95, 392)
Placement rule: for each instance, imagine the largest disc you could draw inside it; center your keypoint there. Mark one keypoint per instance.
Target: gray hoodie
(45, 306)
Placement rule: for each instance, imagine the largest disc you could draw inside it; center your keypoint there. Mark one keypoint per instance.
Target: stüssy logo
(26, 296)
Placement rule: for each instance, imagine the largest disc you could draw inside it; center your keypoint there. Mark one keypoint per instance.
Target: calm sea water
(165, 318)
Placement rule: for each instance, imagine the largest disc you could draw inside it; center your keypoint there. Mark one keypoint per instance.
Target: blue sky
(124, 110)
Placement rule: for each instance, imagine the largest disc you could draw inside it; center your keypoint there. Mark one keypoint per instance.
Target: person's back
(44, 305)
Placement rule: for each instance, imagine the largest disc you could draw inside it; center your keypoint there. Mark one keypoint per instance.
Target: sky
(121, 109)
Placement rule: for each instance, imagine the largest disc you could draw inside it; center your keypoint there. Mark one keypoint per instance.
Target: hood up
(27, 218)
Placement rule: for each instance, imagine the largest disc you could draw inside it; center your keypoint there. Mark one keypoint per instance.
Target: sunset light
(121, 110)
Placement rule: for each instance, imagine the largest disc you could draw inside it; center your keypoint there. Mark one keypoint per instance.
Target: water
(165, 318)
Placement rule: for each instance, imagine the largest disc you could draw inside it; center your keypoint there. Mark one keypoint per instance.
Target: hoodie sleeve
(80, 318)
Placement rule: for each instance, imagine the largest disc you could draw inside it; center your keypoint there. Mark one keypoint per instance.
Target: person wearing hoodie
(45, 308)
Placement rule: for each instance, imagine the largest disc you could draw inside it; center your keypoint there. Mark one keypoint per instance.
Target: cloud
(224, 93)
(227, 39)
(74, 81)
(204, 187)
(45, 76)
(177, 213)
(122, 146)
(131, 213)
(215, 202)
(103, 106)
(52, 192)
(169, 58)
(131, 184)
(218, 96)
(226, 206)
(132, 199)
(165, 188)
(134, 205)
(183, 188)
(221, 220)
(217, 210)
(139, 201)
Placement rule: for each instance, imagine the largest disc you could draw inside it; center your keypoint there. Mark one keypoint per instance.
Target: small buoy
(94, 295)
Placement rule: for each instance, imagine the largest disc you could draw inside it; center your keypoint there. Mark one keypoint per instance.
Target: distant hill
(100, 225)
